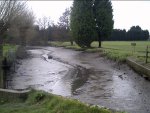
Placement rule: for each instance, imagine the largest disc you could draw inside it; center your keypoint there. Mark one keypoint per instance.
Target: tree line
(62, 31)
(135, 33)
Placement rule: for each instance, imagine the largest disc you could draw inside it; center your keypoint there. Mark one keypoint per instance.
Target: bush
(35, 97)
(39, 97)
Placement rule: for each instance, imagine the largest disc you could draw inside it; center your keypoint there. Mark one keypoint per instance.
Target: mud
(84, 76)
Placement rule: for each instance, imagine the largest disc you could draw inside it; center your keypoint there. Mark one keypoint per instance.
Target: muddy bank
(84, 76)
(143, 70)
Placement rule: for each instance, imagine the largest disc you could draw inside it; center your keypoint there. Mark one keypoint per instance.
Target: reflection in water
(81, 77)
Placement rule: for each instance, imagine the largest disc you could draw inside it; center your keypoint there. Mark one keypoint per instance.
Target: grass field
(123, 49)
(40, 102)
(115, 50)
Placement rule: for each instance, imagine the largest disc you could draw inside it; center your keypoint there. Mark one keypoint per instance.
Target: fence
(147, 51)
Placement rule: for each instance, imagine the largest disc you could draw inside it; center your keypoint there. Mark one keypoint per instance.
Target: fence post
(133, 45)
(146, 55)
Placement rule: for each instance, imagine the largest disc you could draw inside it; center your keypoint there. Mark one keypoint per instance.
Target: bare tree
(14, 14)
(9, 11)
(5, 11)
(64, 22)
(44, 23)
(31, 34)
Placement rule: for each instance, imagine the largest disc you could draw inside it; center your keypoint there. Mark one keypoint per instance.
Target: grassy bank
(115, 50)
(41, 102)
(7, 48)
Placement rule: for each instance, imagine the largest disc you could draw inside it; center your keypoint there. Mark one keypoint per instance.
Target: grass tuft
(41, 102)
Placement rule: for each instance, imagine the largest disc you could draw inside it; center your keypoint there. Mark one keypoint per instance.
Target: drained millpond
(84, 76)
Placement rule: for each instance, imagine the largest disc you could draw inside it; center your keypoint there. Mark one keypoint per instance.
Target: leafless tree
(9, 11)
(64, 22)
(14, 14)
(44, 23)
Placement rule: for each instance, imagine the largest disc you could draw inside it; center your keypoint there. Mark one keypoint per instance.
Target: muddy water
(84, 76)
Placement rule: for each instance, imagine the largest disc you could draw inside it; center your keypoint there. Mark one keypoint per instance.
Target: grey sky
(126, 13)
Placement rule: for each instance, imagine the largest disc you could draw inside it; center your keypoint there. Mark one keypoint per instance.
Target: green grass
(41, 102)
(8, 47)
(120, 50)
(115, 50)
(123, 45)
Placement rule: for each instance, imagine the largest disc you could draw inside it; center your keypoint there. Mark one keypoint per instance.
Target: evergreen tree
(83, 25)
(104, 18)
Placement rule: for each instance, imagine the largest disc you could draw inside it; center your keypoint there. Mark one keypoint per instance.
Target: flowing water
(84, 76)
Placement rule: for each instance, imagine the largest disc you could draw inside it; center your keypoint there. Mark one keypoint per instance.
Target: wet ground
(84, 76)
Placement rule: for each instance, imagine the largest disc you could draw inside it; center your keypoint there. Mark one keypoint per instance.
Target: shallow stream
(84, 76)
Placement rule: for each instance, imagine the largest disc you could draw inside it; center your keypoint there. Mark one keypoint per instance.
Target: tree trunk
(100, 44)
(45, 37)
(1, 78)
(99, 40)
(1, 51)
(1, 58)
(23, 32)
(71, 42)
(23, 43)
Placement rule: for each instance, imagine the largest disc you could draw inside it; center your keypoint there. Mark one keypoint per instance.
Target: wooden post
(146, 60)
(133, 45)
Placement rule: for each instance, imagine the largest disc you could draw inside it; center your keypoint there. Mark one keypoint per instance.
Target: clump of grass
(41, 102)
(116, 55)
(92, 50)
(36, 97)
(59, 44)
(8, 47)
(3, 100)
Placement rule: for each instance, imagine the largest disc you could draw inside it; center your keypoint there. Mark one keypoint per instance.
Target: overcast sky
(126, 13)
